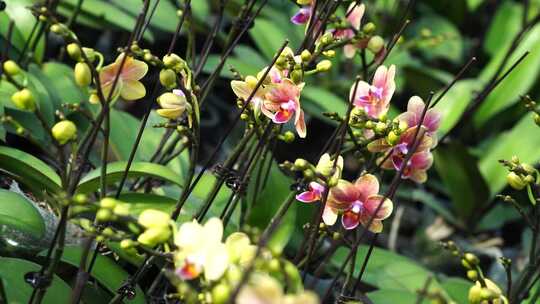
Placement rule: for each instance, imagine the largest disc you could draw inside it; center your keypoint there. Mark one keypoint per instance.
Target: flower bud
(327, 39)
(11, 68)
(375, 44)
(305, 55)
(74, 51)
(121, 209)
(472, 275)
(536, 117)
(103, 215)
(173, 105)
(300, 164)
(475, 296)
(127, 244)
(24, 100)
(369, 28)
(59, 29)
(515, 181)
(151, 218)
(304, 2)
(167, 77)
(324, 65)
(172, 61)
(288, 137)
(89, 53)
(528, 168)
(329, 53)
(94, 99)
(64, 131)
(529, 179)
(471, 258)
(83, 76)
(108, 203)
(380, 127)
(392, 138)
(220, 293)
(80, 199)
(153, 236)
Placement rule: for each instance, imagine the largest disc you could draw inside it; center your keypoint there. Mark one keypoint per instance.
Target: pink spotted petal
(343, 195)
(421, 160)
(372, 203)
(302, 16)
(432, 120)
(366, 185)
(349, 50)
(419, 176)
(361, 93)
(308, 197)
(355, 16)
(350, 220)
(281, 117)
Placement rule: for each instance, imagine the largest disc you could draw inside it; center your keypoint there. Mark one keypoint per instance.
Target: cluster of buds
(23, 99)
(82, 55)
(157, 227)
(530, 105)
(110, 209)
(521, 174)
(324, 172)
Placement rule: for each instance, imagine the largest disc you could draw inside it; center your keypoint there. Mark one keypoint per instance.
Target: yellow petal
(133, 90)
(133, 69)
(170, 113)
(217, 262)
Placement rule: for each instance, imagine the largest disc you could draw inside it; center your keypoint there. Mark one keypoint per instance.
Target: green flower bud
(59, 29)
(536, 117)
(472, 275)
(167, 77)
(83, 76)
(89, 53)
(329, 53)
(151, 218)
(327, 39)
(172, 61)
(475, 294)
(303, 2)
(324, 65)
(220, 293)
(309, 174)
(392, 138)
(380, 127)
(300, 164)
(24, 100)
(121, 209)
(80, 199)
(104, 215)
(488, 294)
(64, 131)
(74, 51)
(305, 55)
(288, 137)
(529, 179)
(515, 181)
(370, 124)
(153, 236)
(369, 28)
(127, 244)
(471, 258)
(375, 44)
(11, 68)
(296, 76)
(108, 203)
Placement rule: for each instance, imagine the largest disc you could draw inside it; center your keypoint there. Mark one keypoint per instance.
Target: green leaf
(430, 200)
(244, 67)
(503, 28)
(268, 202)
(451, 48)
(519, 82)
(474, 4)
(105, 271)
(455, 102)
(104, 13)
(63, 83)
(43, 100)
(18, 11)
(394, 296)
(318, 101)
(165, 17)
(29, 170)
(457, 289)
(459, 173)
(390, 271)
(268, 36)
(18, 213)
(498, 216)
(115, 171)
(522, 140)
(18, 291)
(17, 40)
(138, 202)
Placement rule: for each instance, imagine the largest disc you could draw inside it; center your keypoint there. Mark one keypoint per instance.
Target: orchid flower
(173, 105)
(128, 85)
(282, 102)
(303, 15)
(359, 202)
(375, 98)
(354, 19)
(200, 250)
(420, 161)
(244, 88)
(264, 289)
(412, 117)
(324, 167)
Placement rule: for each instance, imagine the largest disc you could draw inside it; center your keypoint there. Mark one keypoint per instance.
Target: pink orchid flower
(412, 117)
(283, 102)
(375, 98)
(359, 204)
(420, 161)
(128, 85)
(314, 193)
(354, 19)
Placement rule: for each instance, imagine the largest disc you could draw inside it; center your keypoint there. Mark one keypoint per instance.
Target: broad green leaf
(474, 4)
(504, 26)
(91, 182)
(430, 200)
(498, 216)
(18, 213)
(18, 291)
(105, 13)
(63, 82)
(17, 40)
(105, 271)
(43, 100)
(451, 48)
(242, 66)
(18, 11)
(390, 271)
(522, 140)
(394, 296)
(517, 83)
(454, 103)
(316, 101)
(138, 202)
(164, 18)
(459, 172)
(266, 204)
(268, 36)
(29, 170)
(457, 289)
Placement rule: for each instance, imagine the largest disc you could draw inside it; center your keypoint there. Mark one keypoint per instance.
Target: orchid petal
(367, 185)
(372, 204)
(329, 216)
(350, 220)
(132, 90)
